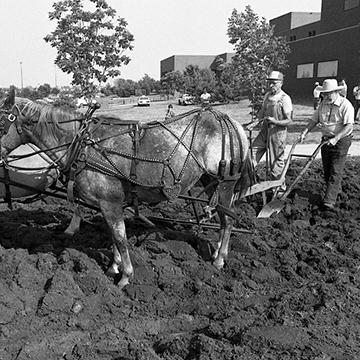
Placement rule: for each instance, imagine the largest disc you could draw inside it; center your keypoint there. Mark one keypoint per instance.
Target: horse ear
(10, 99)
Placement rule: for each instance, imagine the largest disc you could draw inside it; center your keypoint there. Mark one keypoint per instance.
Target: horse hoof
(70, 232)
(219, 264)
(111, 272)
(123, 282)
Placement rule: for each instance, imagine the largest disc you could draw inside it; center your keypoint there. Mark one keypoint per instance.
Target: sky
(161, 28)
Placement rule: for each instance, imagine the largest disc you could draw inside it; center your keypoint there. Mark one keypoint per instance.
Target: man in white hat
(205, 98)
(276, 111)
(335, 117)
(316, 94)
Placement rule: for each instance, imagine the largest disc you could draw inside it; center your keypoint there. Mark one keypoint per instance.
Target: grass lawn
(239, 111)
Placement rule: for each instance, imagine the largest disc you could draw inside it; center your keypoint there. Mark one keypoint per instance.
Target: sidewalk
(308, 149)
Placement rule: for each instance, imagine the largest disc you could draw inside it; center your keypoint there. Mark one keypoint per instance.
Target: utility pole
(21, 76)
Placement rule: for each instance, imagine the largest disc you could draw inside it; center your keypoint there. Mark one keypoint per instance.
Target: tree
(90, 43)
(44, 90)
(172, 81)
(148, 84)
(196, 79)
(257, 52)
(227, 85)
(125, 88)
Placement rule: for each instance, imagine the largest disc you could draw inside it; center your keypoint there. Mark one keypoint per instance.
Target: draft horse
(112, 164)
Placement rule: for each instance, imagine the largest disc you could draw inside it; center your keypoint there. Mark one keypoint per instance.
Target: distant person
(316, 95)
(335, 118)
(356, 93)
(170, 112)
(205, 98)
(276, 113)
(343, 84)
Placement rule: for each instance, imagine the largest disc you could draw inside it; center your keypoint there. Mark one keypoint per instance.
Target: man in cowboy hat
(335, 117)
(276, 113)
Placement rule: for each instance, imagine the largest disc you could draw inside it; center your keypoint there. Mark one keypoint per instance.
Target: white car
(186, 99)
(143, 101)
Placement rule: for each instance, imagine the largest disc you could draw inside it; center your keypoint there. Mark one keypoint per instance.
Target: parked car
(186, 99)
(143, 101)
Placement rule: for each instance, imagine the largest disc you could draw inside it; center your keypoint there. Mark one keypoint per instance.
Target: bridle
(7, 118)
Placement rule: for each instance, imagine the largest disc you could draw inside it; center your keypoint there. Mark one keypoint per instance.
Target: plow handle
(303, 170)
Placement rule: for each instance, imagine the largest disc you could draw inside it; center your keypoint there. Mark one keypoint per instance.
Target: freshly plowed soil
(290, 288)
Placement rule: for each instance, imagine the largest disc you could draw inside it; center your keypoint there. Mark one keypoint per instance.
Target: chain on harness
(78, 143)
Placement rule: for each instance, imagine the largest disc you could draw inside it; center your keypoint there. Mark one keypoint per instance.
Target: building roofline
(296, 12)
(325, 33)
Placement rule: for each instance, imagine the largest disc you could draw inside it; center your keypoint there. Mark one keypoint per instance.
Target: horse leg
(74, 225)
(114, 217)
(226, 197)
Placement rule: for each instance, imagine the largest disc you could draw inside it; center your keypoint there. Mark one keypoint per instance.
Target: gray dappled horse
(113, 164)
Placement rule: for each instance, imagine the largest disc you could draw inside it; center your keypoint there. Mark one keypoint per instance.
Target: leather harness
(77, 160)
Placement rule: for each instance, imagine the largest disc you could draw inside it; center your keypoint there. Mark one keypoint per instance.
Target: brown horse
(112, 164)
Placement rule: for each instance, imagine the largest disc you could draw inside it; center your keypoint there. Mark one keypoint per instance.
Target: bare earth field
(290, 288)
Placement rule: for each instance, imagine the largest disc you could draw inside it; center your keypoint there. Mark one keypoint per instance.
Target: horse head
(13, 122)
(5, 106)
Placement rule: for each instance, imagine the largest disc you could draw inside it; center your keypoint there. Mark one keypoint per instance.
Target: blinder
(6, 120)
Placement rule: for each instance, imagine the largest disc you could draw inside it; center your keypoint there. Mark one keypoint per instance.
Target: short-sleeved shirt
(316, 92)
(205, 97)
(333, 117)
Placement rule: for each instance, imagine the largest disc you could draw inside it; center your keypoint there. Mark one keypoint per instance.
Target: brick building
(180, 62)
(323, 45)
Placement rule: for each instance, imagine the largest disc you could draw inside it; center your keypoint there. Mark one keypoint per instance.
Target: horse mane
(46, 117)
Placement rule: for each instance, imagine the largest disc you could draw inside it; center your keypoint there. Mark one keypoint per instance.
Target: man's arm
(284, 122)
(310, 125)
(287, 109)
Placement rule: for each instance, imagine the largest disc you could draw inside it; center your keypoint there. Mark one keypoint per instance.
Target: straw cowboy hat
(275, 75)
(330, 85)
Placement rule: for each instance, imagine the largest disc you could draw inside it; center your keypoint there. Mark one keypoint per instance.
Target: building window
(327, 68)
(293, 38)
(349, 4)
(304, 71)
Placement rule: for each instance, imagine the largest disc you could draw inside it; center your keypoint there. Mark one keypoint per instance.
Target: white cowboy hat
(330, 85)
(275, 75)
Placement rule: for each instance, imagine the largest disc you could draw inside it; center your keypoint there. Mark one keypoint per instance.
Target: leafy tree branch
(258, 52)
(90, 42)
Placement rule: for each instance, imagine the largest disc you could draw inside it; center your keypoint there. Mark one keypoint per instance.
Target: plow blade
(276, 205)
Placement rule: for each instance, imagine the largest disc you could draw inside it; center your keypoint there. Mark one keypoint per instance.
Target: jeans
(333, 160)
